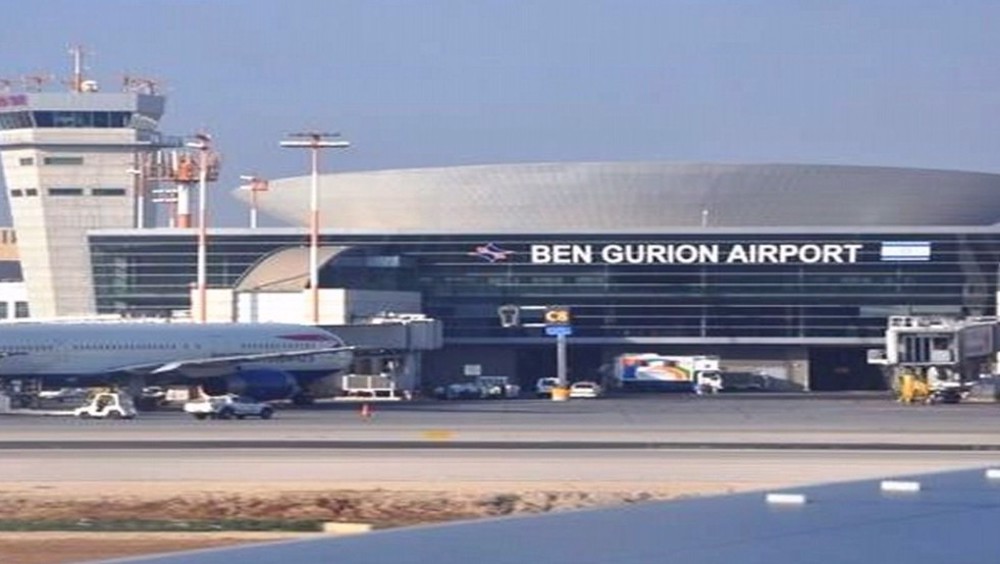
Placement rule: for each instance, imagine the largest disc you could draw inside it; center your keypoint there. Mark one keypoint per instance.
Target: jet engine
(260, 384)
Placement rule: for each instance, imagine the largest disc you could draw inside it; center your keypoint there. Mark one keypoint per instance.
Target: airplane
(265, 361)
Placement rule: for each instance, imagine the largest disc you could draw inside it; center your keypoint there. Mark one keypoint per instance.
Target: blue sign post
(558, 323)
(559, 330)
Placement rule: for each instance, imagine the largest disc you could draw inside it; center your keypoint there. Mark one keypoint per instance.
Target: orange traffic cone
(366, 411)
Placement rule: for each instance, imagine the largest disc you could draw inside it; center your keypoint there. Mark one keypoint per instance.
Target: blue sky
(910, 83)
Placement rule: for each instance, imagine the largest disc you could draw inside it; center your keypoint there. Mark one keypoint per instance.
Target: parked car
(585, 389)
(543, 387)
(460, 390)
(64, 394)
(498, 387)
(227, 406)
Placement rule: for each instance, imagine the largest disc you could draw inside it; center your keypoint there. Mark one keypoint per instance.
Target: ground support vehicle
(227, 406)
(932, 359)
(361, 387)
(914, 388)
(656, 372)
(481, 387)
(107, 405)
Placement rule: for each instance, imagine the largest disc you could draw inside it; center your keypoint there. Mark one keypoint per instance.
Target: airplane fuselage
(86, 351)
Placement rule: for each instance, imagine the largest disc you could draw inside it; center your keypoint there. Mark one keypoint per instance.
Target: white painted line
(898, 486)
(786, 498)
(993, 473)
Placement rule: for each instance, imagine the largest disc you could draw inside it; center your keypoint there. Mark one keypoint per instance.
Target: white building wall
(52, 229)
(13, 301)
(337, 306)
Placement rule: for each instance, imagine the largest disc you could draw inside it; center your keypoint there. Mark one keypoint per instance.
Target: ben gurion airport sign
(715, 253)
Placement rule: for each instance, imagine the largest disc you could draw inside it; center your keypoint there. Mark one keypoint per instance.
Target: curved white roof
(627, 196)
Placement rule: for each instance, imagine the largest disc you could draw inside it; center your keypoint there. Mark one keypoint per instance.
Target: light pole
(202, 142)
(557, 322)
(254, 184)
(314, 141)
(139, 186)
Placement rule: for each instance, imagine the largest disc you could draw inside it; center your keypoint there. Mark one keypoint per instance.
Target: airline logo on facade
(696, 253)
(491, 252)
(906, 251)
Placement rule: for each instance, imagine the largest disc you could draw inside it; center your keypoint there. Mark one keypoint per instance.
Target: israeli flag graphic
(906, 251)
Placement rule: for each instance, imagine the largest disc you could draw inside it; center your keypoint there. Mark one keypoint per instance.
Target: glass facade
(99, 119)
(777, 288)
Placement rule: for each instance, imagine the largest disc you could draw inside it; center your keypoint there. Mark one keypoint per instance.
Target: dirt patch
(54, 547)
(392, 505)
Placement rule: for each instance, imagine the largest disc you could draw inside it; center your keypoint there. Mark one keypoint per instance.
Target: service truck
(656, 372)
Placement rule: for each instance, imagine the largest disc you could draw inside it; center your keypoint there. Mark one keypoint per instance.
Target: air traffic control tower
(72, 162)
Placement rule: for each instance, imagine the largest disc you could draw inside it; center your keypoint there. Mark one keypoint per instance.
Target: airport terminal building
(787, 269)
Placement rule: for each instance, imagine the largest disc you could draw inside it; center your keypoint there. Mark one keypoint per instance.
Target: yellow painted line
(437, 434)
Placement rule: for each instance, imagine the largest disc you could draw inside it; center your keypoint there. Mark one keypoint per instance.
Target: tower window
(65, 191)
(31, 192)
(26, 161)
(15, 120)
(15, 193)
(20, 309)
(108, 191)
(63, 160)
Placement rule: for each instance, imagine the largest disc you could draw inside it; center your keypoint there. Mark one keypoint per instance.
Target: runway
(727, 442)
(474, 468)
(652, 422)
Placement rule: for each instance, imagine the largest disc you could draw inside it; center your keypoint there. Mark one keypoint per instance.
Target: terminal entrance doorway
(842, 369)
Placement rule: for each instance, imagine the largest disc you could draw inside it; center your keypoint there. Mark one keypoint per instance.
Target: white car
(227, 407)
(543, 387)
(585, 389)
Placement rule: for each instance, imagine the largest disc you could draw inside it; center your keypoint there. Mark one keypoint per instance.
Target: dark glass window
(26, 161)
(16, 193)
(65, 191)
(120, 119)
(63, 160)
(4, 310)
(15, 120)
(108, 191)
(44, 119)
(65, 119)
(21, 309)
(31, 192)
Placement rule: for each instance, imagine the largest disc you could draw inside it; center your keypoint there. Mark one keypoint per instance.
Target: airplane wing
(211, 365)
